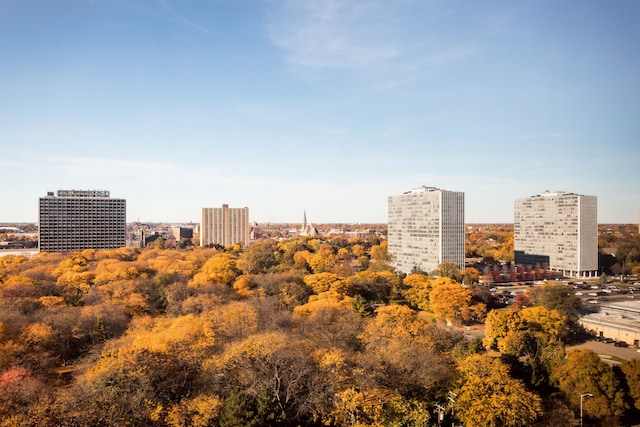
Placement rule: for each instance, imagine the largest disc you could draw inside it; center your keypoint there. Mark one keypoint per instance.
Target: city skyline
(318, 106)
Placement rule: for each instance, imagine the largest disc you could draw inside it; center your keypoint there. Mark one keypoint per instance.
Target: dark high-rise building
(74, 220)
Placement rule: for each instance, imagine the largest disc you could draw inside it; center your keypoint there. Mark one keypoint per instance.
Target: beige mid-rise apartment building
(426, 228)
(558, 231)
(225, 226)
(74, 220)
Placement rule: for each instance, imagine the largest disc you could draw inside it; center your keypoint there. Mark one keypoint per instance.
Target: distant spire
(304, 223)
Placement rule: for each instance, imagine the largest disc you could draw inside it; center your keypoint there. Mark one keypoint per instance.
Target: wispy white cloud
(179, 18)
(332, 33)
(380, 35)
(547, 135)
(161, 9)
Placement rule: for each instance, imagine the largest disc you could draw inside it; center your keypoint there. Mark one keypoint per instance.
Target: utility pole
(440, 411)
(452, 399)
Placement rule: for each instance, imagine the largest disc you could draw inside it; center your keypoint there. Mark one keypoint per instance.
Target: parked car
(607, 340)
(621, 344)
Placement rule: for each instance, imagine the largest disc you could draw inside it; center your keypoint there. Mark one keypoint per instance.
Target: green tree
(260, 257)
(243, 410)
(470, 276)
(448, 269)
(402, 412)
(559, 298)
(375, 286)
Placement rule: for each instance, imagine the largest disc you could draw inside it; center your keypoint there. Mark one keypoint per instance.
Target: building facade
(618, 321)
(558, 231)
(225, 226)
(74, 220)
(425, 229)
(181, 233)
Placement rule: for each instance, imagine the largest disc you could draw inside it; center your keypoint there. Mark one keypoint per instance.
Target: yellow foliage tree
(322, 282)
(418, 288)
(550, 323)
(243, 287)
(487, 395)
(452, 302)
(323, 260)
(199, 411)
(220, 269)
(584, 372)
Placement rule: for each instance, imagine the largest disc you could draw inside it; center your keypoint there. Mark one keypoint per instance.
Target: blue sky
(328, 106)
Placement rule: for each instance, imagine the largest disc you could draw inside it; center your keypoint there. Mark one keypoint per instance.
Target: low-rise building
(618, 321)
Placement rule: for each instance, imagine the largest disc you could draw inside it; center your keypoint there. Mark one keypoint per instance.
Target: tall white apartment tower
(559, 231)
(74, 220)
(426, 228)
(225, 226)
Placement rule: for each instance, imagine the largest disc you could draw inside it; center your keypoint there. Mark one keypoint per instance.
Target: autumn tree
(631, 373)
(288, 289)
(375, 286)
(277, 366)
(487, 395)
(584, 372)
(398, 345)
(155, 365)
(260, 257)
(452, 302)
(448, 269)
(328, 322)
(73, 278)
(19, 388)
(220, 269)
(470, 276)
(202, 410)
(531, 335)
(323, 282)
(323, 260)
(417, 290)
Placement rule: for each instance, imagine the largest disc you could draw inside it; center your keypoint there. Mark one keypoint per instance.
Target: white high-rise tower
(426, 228)
(559, 231)
(225, 226)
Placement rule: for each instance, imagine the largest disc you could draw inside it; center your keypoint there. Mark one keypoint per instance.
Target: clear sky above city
(327, 106)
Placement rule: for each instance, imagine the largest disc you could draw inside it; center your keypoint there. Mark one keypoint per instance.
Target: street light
(582, 396)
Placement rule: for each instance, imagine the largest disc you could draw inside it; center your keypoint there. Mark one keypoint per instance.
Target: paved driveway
(607, 351)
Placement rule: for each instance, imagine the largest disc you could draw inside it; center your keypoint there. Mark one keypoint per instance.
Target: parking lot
(607, 352)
